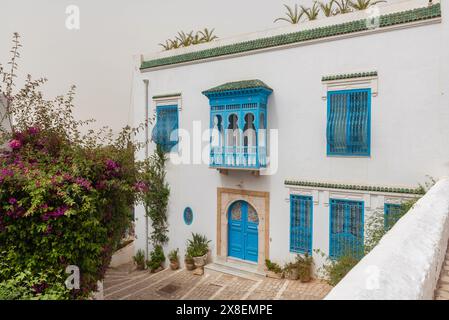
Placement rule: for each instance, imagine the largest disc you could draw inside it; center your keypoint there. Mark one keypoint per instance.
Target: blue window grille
(349, 122)
(165, 132)
(301, 221)
(392, 213)
(346, 228)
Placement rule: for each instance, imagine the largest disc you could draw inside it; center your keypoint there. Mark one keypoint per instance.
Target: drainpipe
(147, 106)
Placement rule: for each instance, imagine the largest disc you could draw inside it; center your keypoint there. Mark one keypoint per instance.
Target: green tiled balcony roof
(417, 191)
(388, 20)
(349, 76)
(239, 85)
(168, 95)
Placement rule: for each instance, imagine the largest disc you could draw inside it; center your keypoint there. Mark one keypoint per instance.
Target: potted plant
(139, 259)
(198, 248)
(304, 267)
(291, 271)
(189, 263)
(273, 269)
(174, 259)
(157, 258)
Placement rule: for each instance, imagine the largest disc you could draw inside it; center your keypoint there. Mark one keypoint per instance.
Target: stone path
(123, 283)
(442, 291)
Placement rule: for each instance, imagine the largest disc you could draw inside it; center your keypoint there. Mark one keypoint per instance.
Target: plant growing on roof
(344, 6)
(166, 45)
(327, 8)
(207, 35)
(293, 15)
(185, 39)
(312, 12)
(363, 4)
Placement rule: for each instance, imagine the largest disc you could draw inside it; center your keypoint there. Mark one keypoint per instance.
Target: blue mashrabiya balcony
(238, 123)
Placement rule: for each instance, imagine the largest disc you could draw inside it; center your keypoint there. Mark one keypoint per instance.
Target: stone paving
(442, 291)
(123, 283)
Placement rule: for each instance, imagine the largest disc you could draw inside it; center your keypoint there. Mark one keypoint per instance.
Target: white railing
(407, 261)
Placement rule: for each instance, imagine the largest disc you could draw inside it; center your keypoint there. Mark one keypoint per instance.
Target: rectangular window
(346, 228)
(392, 213)
(348, 122)
(301, 215)
(165, 131)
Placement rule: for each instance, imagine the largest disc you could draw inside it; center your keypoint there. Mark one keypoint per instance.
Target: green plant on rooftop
(293, 15)
(364, 4)
(312, 12)
(327, 8)
(344, 6)
(183, 39)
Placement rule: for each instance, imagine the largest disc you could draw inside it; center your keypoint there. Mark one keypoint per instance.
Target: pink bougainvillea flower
(15, 144)
(12, 200)
(83, 183)
(33, 131)
(141, 186)
(111, 165)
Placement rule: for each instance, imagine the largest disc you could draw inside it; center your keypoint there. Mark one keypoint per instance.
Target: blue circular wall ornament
(188, 216)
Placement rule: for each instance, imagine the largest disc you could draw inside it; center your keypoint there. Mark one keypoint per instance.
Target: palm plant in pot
(198, 248)
(304, 264)
(174, 259)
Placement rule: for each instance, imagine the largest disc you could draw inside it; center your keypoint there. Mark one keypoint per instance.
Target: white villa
(288, 139)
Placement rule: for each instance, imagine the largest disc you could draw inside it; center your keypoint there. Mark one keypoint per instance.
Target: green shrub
(338, 269)
(157, 258)
(173, 255)
(304, 264)
(197, 246)
(273, 266)
(139, 259)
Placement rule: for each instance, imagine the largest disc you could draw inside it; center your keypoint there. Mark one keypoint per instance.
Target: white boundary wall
(407, 262)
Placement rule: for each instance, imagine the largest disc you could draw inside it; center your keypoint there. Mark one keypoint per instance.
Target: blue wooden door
(243, 240)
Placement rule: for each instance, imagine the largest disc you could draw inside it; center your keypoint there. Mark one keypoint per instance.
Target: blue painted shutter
(348, 122)
(301, 224)
(166, 123)
(392, 213)
(346, 228)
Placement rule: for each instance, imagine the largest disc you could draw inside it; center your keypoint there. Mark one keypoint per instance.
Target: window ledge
(349, 81)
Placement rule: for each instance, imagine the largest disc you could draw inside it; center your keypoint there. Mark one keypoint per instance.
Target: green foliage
(155, 199)
(337, 270)
(312, 12)
(273, 266)
(363, 4)
(327, 8)
(344, 6)
(197, 246)
(183, 39)
(66, 197)
(293, 15)
(173, 255)
(139, 259)
(157, 258)
(304, 264)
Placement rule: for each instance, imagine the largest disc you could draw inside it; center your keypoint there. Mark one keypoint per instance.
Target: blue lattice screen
(301, 208)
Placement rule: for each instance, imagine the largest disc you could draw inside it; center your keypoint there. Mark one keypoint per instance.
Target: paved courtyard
(120, 284)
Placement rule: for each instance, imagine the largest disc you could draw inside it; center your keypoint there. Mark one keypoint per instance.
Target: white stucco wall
(408, 123)
(407, 261)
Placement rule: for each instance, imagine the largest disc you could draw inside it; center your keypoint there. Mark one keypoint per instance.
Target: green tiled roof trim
(417, 191)
(350, 76)
(169, 95)
(424, 13)
(239, 85)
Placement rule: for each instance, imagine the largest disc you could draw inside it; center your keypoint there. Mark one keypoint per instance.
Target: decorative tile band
(349, 76)
(239, 85)
(417, 191)
(169, 95)
(409, 16)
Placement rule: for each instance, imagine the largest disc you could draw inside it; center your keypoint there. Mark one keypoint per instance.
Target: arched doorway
(243, 235)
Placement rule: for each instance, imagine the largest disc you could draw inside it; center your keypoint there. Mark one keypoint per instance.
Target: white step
(235, 268)
(442, 294)
(445, 279)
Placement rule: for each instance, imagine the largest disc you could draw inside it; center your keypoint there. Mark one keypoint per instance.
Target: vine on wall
(156, 199)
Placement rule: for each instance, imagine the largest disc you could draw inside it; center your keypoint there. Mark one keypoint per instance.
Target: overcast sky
(98, 58)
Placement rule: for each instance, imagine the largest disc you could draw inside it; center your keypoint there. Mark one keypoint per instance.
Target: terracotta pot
(200, 261)
(305, 278)
(174, 265)
(274, 275)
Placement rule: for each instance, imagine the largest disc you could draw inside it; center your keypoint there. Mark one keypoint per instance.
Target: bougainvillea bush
(66, 198)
